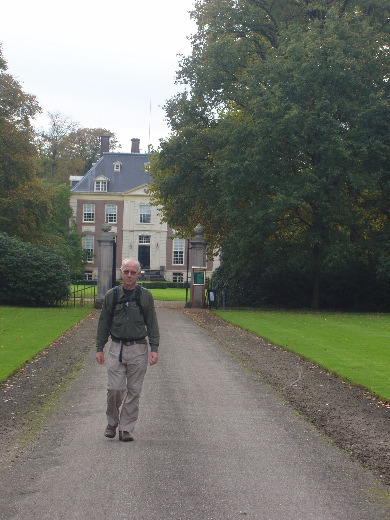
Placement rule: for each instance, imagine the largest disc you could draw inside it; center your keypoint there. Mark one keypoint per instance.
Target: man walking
(127, 317)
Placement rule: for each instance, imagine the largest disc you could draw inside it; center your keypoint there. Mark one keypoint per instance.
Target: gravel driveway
(349, 416)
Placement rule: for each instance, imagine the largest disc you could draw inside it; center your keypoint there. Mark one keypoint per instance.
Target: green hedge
(147, 285)
(31, 275)
(163, 285)
(84, 282)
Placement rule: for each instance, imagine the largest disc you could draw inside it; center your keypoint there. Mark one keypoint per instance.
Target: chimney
(104, 144)
(135, 145)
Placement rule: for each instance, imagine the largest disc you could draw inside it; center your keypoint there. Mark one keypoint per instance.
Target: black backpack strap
(114, 301)
(137, 299)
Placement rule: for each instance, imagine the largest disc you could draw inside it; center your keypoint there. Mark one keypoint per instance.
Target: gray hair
(131, 260)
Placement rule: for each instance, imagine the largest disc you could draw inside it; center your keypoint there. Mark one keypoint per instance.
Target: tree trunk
(315, 296)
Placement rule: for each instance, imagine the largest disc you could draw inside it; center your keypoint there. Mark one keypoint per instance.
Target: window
(100, 185)
(178, 251)
(89, 213)
(117, 166)
(111, 213)
(74, 179)
(177, 277)
(145, 213)
(88, 275)
(144, 239)
(88, 247)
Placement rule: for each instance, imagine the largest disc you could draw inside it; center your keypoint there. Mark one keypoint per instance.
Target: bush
(355, 289)
(31, 275)
(163, 285)
(83, 282)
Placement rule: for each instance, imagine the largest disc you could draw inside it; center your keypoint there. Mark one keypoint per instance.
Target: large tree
(61, 232)
(30, 208)
(24, 200)
(280, 147)
(66, 149)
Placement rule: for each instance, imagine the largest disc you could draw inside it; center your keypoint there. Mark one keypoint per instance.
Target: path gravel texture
(215, 440)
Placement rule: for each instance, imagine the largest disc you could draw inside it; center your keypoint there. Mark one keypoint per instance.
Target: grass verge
(169, 294)
(25, 331)
(354, 346)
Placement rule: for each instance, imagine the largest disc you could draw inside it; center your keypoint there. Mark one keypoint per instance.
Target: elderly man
(127, 317)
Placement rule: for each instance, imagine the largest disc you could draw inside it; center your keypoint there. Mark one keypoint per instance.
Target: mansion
(114, 192)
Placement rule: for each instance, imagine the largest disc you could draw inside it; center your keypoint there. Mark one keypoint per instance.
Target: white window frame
(144, 239)
(178, 251)
(145, 213)
(88, 246)
(117, 166)
(101, 186)
(178, 277)
(111, 213)
(88, 212)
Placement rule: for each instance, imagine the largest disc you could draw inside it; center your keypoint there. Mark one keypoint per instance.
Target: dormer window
(100, 185)
(117, 166)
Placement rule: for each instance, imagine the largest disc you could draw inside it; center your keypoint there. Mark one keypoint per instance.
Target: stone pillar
(198, 268)
(105, 264)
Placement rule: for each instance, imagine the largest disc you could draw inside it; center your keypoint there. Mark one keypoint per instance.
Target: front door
(144, 256)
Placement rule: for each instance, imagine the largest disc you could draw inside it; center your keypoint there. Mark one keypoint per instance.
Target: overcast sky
(102, 64)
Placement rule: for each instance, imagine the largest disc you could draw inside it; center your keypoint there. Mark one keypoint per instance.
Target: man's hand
(153, 358)
(100, 357)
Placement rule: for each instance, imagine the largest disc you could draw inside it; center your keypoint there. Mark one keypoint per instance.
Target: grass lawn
(26, 331)
(355, 346)
(168, 294)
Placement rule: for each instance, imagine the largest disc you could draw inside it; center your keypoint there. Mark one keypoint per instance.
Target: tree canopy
(279, 147)
(66, 149)
(24, 200)
(30, 208)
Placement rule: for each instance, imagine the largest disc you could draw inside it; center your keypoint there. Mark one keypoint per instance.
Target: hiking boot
(110, 431)
(125, 437)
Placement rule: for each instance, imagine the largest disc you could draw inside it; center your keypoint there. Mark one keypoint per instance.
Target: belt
(126, 341)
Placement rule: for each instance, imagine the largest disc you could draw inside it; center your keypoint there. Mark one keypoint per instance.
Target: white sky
(108, 64)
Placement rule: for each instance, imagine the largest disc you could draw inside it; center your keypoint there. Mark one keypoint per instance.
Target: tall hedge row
(31, 275)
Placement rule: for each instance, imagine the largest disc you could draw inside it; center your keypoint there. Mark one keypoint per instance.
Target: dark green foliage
(354, 288)
(31, 275)
(280, 150)
(61, 236)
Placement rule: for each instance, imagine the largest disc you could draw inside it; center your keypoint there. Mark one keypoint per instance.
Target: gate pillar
(105, 264)
(198, 268)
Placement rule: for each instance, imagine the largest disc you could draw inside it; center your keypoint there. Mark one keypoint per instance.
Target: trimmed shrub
(31, 275)
(163, 285)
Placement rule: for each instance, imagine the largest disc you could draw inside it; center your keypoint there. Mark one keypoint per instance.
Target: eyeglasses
(126, 271)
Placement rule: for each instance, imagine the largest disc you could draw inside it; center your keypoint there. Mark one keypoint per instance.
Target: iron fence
(82, 294)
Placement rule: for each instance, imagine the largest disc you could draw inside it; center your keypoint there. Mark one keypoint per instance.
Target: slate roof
(131, 175)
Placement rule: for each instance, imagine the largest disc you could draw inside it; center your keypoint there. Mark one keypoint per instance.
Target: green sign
(199, 278)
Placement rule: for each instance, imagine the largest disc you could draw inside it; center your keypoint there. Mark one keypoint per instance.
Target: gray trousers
(125, 381)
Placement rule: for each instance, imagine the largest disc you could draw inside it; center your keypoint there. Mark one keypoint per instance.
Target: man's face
(130, 274)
